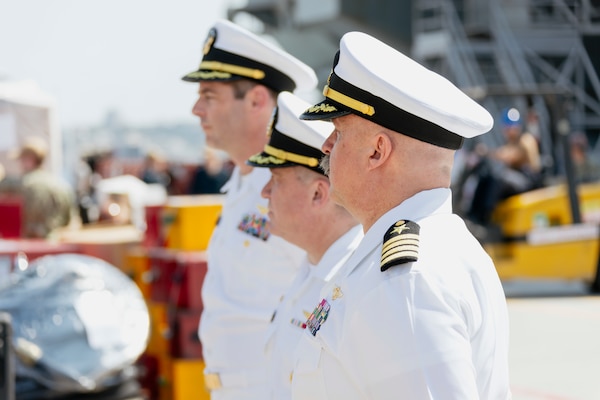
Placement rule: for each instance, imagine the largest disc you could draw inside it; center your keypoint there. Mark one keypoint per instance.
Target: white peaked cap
(231, 52)
(293, 141)
(377, 82)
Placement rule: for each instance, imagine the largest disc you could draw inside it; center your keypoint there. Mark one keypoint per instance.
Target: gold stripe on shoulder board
(400, 244)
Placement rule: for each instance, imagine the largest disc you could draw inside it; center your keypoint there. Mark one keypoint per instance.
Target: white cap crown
(231, 52)
(375, 81)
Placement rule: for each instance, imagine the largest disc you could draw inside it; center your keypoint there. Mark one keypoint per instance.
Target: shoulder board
(400, 244)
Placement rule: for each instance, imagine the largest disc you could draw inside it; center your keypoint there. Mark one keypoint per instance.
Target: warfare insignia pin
(262, 209)
(400, 244)
(337, 293)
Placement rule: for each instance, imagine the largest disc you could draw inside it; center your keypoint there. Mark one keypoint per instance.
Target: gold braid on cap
(296, 158)
(348, 101)
(233, 69)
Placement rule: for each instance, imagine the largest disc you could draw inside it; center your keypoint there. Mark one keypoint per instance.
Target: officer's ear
(259, 96)
(320, 191)
(381, 149)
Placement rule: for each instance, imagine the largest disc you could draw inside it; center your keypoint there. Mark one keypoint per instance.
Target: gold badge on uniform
(400, 244)
(337, 293)
(262, 209)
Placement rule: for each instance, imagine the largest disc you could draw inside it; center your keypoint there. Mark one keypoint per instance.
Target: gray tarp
(78, 321)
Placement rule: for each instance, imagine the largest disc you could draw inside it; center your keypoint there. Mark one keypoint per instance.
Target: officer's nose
(198, 109)
(266, 190)
(327, 146)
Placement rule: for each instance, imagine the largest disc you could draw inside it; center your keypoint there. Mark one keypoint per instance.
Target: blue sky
(98, 55)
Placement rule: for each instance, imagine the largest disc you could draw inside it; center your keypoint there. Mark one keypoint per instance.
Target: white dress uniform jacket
(297, 304)
(248, 272)
(436, 328)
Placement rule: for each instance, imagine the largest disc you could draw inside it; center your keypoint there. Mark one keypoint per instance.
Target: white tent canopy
(26, 110)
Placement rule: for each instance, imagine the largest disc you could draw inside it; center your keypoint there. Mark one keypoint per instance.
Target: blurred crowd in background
(107, 188)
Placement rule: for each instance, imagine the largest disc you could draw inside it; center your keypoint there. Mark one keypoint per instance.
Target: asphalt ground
(555, 341)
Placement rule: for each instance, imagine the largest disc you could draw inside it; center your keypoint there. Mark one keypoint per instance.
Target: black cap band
(270, 76)
(284, 151)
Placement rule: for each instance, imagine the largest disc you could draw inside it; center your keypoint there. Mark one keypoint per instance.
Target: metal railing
(517, 70)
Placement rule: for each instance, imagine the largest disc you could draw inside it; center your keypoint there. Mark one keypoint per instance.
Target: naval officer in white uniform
(418, 311)
(249, 268)
(301, 211)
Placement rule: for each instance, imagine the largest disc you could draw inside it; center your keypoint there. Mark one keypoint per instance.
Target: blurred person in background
(211, 175)
(156, 170)
(510, 169)
(586, 168)
(91, 169)
(48, 200)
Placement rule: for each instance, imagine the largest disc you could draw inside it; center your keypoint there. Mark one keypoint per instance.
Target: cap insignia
(210, 40)
(400, 244)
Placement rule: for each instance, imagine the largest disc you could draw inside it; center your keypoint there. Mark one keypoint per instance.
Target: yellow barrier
(548, 206)
(188, 380)
(187, 222)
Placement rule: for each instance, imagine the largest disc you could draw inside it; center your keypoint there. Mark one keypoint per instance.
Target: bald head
(430, 165)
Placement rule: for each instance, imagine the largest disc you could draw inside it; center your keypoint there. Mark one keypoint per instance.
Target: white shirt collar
(340, 249)
(257, 179)
(421, 205)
